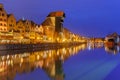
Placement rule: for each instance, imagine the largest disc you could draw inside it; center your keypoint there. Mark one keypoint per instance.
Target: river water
(84, 62)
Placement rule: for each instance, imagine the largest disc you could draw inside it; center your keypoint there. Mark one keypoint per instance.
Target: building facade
(11, 23)
(20, 26)
(53, 26)
(3, 19)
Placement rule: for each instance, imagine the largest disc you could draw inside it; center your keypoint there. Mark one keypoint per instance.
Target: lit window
(4, 24)
(3, 14)
(10, 25)
(0, 24)
(4, 19)
(1, 9)
(0, 19)
(11, 20)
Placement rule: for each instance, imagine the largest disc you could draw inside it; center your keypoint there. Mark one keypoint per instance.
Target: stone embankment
(34, 46)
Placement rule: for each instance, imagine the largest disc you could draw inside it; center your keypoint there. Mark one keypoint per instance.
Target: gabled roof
(47, 22)
(57, 14)
(113, 35)
(9, 15)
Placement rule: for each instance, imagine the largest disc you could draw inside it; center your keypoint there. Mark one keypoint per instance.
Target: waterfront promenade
(18, 48)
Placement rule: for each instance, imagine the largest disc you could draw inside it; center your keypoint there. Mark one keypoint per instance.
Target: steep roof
(112, 35)
(57, 14)
(47, 22)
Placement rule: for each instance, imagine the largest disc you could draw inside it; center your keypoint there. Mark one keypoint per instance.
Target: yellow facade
(27, 25)
(20, 27)
(41, 29)
(49, 28)
(11, 23)
(33, 25)
(3, 19)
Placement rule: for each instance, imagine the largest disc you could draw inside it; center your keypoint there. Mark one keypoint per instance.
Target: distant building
(113, 38)
(3, 19)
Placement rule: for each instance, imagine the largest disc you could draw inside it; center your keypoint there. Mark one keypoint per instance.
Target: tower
(59, 19)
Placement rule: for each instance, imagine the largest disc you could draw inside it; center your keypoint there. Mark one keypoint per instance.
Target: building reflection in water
(49, 60)
(112, 49)
(93, 45)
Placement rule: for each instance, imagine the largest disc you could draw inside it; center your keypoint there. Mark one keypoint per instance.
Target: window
(0, 19)
(4, 24)
(11, 20)
(9, 25)
(0, 24)
(4, 19)
(1, 9)
(3, 14)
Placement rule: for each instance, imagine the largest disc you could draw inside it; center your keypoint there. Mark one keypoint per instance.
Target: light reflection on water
(50, 61)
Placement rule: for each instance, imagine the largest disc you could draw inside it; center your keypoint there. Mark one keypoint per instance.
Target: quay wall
(36, 46)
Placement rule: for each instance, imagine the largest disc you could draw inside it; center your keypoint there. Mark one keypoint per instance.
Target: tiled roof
(57, 14)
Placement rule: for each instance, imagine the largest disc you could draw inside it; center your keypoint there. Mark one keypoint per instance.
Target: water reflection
(112, 49)
(92, 45)
(49, 60)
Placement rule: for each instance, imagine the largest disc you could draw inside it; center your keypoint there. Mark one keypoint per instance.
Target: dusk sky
(91, 18)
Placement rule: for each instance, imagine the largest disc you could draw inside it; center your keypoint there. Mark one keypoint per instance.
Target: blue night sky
(92, 18)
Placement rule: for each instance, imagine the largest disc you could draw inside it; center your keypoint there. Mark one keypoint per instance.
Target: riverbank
(21, 48)
(36, 46)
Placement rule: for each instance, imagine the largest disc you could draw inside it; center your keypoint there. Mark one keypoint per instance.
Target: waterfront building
(40, 29)
(3, 19)
(59, 17)
(53, 26)
(27, 25)
(11, 23)
(38, 33)
(33, 25)
(32, 33)
(49, 28)
(66, 33)
(114, 38)
(20, 26)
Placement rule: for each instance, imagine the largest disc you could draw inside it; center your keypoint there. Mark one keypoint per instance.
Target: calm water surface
(83, 62)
